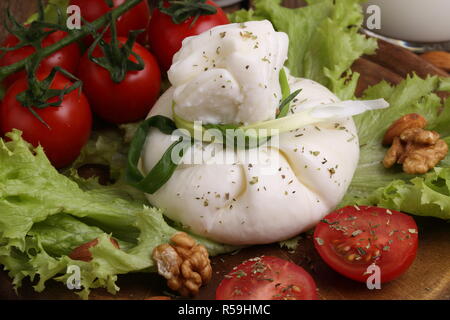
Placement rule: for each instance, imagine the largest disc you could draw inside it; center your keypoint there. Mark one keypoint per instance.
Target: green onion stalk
(240, 136)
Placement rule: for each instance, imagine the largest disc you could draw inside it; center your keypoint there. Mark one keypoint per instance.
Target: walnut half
(418, 150)
(184, 263)
(411, 120)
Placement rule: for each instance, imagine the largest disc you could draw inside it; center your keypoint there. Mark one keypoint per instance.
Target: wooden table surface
(428, 277)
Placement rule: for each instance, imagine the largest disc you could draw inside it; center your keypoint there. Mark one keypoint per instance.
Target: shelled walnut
(411, 120)
(184, 263)
(417, 149)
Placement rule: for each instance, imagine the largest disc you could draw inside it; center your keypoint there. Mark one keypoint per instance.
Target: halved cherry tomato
(165, 36)
(67, 57)
(267, 278)
(350, 239)
(69, 125)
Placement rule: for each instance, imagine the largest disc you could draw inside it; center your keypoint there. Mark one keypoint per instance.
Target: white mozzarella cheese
(240, 202)
(230, 74)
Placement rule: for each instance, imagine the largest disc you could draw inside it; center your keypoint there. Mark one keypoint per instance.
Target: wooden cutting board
(428, 277)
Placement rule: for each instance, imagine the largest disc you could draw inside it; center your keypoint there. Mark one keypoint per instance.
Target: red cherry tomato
(69, 124)
(67, 57)
(127, 101)
(267, 278)
(165, 36)
(83, 253)
(135, 19)
(350, 239)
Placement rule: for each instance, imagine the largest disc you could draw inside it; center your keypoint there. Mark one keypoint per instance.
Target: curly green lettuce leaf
(39, 260)
(60, 233)
(428, 195)
(290, 244)
(44, 215)
(323, 39)
(108, 148)
(105, 147)
(32, 189)
(392, 188)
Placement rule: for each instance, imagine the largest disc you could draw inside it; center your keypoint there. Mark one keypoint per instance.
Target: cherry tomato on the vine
(127, 101)
(67, 57)
(136, 18)
(68, 126)
(165, 36)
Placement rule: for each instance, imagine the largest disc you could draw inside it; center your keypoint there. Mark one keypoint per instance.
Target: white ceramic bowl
(414, 20)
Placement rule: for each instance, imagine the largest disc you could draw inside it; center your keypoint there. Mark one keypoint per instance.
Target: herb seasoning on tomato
(267, 278)
(350, 239)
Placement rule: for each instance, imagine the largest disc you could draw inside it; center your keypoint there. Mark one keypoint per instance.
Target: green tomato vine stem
(73, 36)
